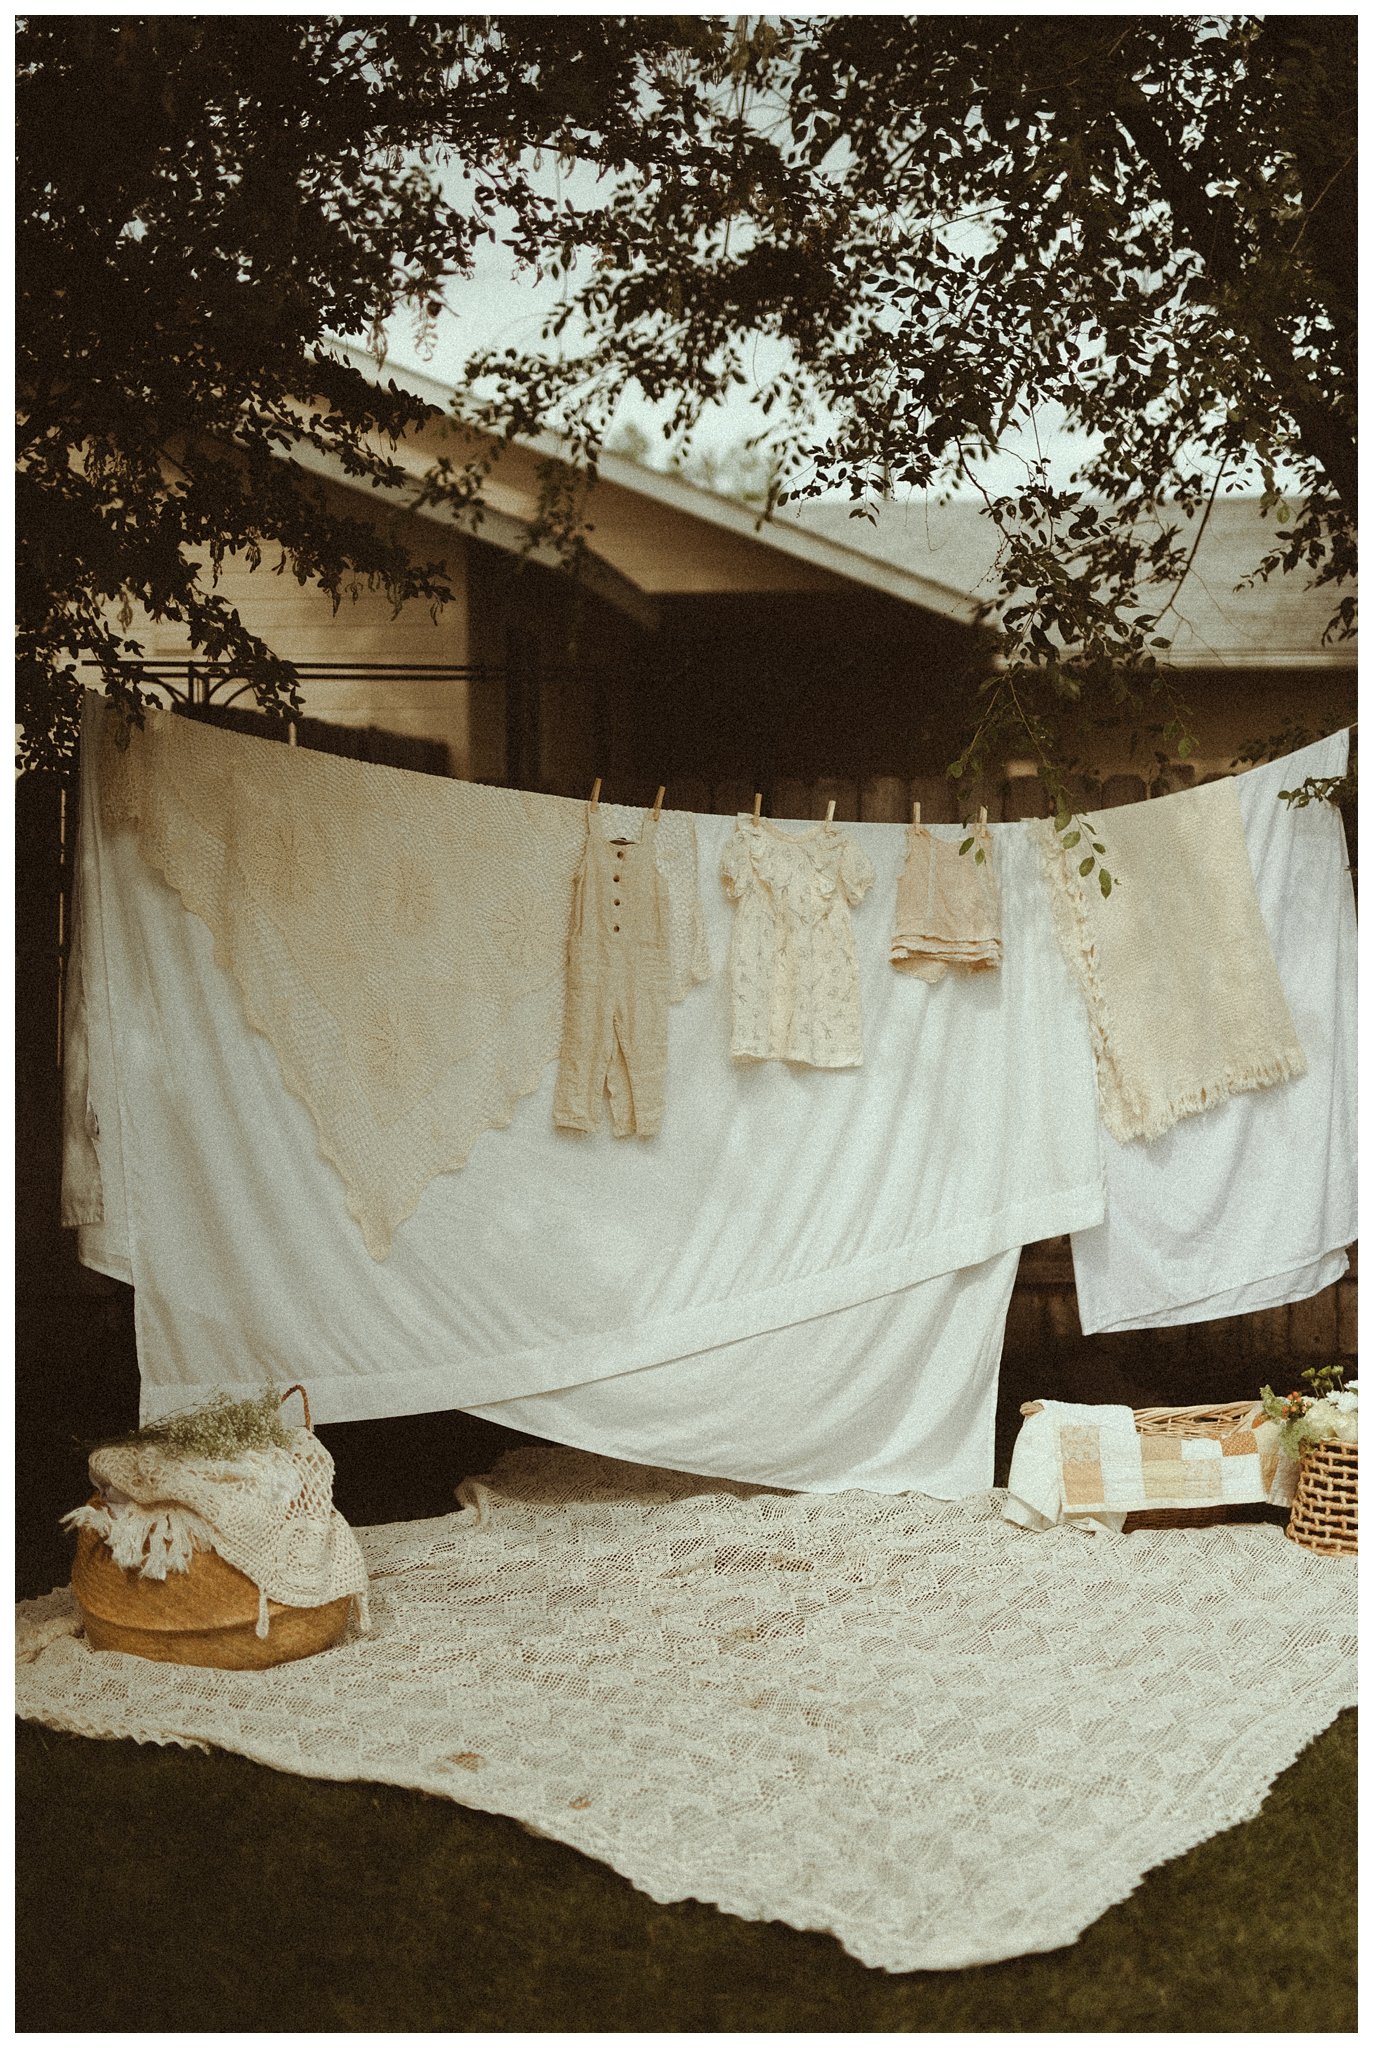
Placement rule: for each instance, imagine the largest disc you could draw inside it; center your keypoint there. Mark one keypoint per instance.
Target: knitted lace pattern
(400, 939)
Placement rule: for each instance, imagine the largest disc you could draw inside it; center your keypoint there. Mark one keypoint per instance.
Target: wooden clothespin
(829, 812)
(982, 815)
(915, 814)
(757, 805)
(658, 800)
(596, 793)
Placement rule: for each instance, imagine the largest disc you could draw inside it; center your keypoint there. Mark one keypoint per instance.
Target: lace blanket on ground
(1182, 990)
(400, 939)
(269, 1513)
(897, 1720)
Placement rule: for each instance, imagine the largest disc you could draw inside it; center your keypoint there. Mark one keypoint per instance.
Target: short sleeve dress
(793, 965)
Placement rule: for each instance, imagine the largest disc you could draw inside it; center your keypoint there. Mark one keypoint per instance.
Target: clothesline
(843, 1238)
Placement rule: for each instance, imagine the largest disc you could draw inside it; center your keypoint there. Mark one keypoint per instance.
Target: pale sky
(497, 309)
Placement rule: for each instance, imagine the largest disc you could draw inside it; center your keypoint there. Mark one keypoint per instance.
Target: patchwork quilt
(1078, 1462)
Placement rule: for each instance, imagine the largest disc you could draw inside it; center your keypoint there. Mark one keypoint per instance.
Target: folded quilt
(1088, 1464)
(1182, 991)
(948, 913)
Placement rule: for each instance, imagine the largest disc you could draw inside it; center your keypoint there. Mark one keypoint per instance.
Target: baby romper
(615, 1020)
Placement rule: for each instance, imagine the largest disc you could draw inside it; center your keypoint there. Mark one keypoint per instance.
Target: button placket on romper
(615, 1022)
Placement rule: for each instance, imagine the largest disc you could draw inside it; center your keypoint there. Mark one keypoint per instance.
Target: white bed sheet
(1252, 1204)
(768, 1277)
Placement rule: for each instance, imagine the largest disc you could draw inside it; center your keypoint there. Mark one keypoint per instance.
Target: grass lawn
(164, 1889)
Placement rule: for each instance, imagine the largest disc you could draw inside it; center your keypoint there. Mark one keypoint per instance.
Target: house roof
(652, 535)
(1212, 622)
(663, 535)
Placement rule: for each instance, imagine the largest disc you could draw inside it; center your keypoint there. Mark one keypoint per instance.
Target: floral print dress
(793, 964)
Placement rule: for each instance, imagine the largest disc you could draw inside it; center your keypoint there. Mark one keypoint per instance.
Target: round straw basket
(1325, 1512)
(204, 1615)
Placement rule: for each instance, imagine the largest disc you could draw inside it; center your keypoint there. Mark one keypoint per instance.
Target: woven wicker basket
(1325, 1512)
(205, 1615)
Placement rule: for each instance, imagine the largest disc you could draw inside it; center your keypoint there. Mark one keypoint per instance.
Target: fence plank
(790, 798)
(1313, 1325)
(1024, 797)
(1122, 789)
(688, 794)
(844, 791)
(729, 797)
(883, 799)
(934, 794)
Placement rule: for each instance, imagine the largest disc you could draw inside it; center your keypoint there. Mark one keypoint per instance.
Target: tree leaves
(939, 225)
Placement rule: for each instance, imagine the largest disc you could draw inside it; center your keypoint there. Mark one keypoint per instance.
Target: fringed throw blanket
(896, 1720)
(1182, 991)
(400, 939)
(269, 1513)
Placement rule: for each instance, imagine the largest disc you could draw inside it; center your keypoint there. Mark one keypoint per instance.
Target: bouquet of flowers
(1328, 1413)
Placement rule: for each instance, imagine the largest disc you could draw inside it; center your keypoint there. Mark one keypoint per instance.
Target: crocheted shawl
(398, 938)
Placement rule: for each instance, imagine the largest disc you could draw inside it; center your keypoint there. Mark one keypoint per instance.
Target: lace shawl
(398, 938)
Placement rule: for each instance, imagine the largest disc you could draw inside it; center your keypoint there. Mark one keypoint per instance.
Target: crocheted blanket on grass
(1182, 989)
(399, 938)
(901, 1721)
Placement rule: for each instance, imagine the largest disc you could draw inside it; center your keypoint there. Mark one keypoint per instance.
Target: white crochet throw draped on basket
(899, 1721)
(400, 939)
(270, 1513)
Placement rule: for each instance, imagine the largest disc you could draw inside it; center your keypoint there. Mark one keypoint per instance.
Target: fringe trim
(1076, 944)
(151, 1541)
(1126, 1112)
(1231, 1081)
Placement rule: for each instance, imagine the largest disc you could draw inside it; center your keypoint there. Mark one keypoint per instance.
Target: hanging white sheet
(793, 1217)
(1252, 1204)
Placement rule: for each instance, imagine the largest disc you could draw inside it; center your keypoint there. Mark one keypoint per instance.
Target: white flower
(1346, 1400)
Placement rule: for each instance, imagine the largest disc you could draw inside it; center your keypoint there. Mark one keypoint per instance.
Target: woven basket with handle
(204, 1615)
(1325, 1512)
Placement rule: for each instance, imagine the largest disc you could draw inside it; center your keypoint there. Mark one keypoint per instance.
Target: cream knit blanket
(1182, 990)
(269, 1513)
(399, 939)
(897, 1720)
